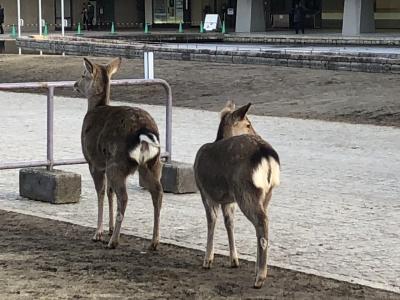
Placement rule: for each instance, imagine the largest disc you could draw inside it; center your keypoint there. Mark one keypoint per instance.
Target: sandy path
(277, 91)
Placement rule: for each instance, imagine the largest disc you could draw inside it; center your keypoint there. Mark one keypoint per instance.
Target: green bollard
(13, 32)
(46, 30)
(78, 31)
(112, 28)
(201, 27)
(146, 28)
(223, 27)
(180, 27)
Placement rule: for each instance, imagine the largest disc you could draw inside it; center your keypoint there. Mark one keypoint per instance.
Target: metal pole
(40, 17)
(168, 121)
(19, 17)
(19, 22)
(62, 17)
(50, 120)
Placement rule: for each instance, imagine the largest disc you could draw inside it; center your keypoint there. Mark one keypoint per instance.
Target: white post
(40, 17)
(19, 22)
(148, 65)
(62, 17)
(19, 17)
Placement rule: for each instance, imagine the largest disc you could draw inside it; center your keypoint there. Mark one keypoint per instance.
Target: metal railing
(50, 162)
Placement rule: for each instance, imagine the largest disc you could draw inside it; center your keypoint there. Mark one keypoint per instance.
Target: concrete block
(56, 186)
(178, 178)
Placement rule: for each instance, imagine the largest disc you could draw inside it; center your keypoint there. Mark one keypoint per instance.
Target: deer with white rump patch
(238, 168)
(117, 141)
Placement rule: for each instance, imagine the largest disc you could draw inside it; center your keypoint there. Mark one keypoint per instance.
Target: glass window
(168, 11)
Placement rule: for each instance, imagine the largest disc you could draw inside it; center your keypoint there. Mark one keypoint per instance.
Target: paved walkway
(337, 212)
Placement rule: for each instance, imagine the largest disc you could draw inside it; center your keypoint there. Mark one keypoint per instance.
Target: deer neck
(101, 99)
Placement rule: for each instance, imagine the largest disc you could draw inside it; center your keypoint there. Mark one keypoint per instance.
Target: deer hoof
(98, 236)
(153, 246)
(235, 263)
(112, 244)
(259, 283)
(207, 264)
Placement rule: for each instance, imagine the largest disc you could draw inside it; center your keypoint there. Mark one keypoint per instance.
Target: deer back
(109, 133)
(238, 162)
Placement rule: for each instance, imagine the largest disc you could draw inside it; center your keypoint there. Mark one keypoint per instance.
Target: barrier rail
(50, 162)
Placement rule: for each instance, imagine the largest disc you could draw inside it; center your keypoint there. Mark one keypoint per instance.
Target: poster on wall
(212, 22)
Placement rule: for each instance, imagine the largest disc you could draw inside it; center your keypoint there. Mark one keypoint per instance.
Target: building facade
(239, 15)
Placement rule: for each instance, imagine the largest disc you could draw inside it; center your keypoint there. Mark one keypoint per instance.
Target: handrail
(50, 86)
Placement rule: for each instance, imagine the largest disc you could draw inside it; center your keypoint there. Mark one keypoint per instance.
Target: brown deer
(238, 168)
(117, 141)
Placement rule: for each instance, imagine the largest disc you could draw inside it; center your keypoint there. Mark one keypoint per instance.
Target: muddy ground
(278, 91)
(46, 259)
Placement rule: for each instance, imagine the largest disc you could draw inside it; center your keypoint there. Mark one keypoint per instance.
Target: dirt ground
(46, 259)
(278, 91)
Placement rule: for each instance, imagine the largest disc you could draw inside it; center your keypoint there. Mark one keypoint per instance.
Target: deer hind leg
(255, 209)
(99, 183)
(211, 214)
(151, 174)
(228, 210)
(110, 196)
(118, 185)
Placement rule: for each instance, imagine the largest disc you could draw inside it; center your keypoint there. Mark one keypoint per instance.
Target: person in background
(298, 18)
(84, 16)
(90, 16)
(1, 19)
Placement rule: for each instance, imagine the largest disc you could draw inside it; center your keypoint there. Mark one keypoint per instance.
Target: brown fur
(109, 133)
(224, 175)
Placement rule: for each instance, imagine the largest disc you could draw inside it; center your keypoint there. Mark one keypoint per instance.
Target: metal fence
(50, 86)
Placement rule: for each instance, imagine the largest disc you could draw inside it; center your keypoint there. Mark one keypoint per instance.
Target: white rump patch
(260, 174)
(148, 148)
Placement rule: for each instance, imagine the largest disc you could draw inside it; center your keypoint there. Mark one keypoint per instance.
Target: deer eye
(248, 125)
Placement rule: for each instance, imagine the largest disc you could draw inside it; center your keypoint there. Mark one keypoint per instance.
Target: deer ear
(113, 66)
(241, 112)
(88, 65)
(229, 107)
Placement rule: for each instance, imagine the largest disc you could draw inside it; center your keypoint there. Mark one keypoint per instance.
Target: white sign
(230, 11)
(212, 22)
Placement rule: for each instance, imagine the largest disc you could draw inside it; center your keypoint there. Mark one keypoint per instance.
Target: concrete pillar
(358, 17)
(148, 11)
(250, 16)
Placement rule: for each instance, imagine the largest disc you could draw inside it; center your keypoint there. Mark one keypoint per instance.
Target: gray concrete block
(56, 186)
(178, 178)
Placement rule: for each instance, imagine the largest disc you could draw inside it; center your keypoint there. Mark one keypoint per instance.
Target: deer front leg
(122, 201)
(228, 210)
(211, 214)
(99, 180)
(110, 196)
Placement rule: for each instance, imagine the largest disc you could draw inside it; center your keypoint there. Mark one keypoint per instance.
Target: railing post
(168, 133)
(50, 121)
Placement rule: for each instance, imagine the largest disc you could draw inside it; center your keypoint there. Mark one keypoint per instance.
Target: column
(148, 11)
(358, 17)
(250, 16)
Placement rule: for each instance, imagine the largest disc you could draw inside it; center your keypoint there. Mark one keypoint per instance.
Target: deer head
(95, 81)
(234, 122)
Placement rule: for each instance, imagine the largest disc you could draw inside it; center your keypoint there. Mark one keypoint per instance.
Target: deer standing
(117, 141)
(238, 168)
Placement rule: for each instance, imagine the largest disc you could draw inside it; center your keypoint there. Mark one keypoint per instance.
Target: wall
(29, 12)
(127, 14)
(387, 13)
